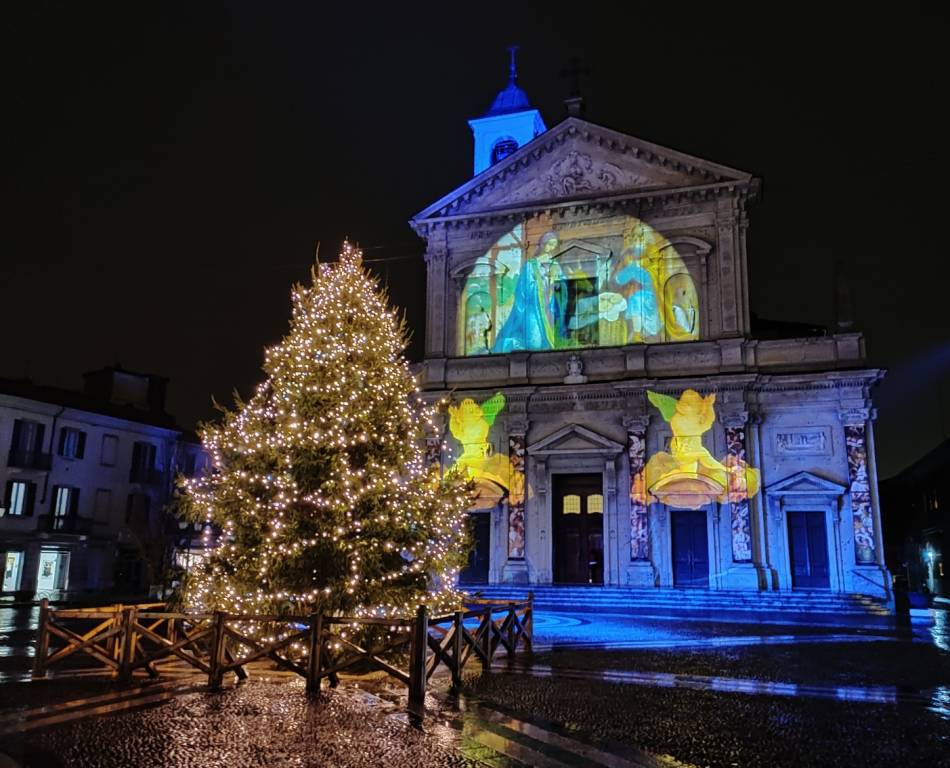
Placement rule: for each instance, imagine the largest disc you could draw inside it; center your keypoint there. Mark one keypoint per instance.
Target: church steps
(682, 601)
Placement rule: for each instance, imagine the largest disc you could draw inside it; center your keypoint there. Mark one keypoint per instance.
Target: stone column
(761, 556)
(641, 570)
(516, 566)
(435, 433)
(436, 288)
(433, 451)
(739, 569)
(639, 521)
(544, 567)
(726, 246)
(738, 491)
(611, 564)
(516, 494)
(854, 421)
(875, 496)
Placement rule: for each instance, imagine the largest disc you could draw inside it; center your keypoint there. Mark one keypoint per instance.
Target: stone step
(672, 599)
(686, 601)
(672, 592)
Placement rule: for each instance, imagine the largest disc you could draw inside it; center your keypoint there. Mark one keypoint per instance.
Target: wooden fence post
(42, 641)
(127, 640)
(314, 659)
(457, 651)
(216, 676)
(417, 663)
(114, 643)
(529, 624)
(486, 638)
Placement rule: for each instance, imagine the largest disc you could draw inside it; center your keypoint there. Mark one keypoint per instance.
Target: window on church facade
(502, 148)
(582, 311)
(541, 287)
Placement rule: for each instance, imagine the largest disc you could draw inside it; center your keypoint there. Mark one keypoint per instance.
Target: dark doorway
(578, 512)
(690, 548)
(476, 572)
(808, 549)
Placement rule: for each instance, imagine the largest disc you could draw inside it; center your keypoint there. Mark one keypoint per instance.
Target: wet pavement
(600, 690)
(262, 723)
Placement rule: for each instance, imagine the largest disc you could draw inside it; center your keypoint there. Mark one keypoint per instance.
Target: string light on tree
(319, 488)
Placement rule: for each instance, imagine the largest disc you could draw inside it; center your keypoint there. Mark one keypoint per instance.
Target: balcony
(29, 460)
(68, 524)
(145, 475)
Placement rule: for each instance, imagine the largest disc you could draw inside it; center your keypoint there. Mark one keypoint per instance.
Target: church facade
(588, 324)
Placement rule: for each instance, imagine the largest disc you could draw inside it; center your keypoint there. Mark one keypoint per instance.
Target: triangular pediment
(578, 160)
(574, 439)
(805, 484)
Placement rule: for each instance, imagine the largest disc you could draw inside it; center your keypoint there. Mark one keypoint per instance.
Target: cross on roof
(513, 66)
(574, 71)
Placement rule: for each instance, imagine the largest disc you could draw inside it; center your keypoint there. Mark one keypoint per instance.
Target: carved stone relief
(802, 441)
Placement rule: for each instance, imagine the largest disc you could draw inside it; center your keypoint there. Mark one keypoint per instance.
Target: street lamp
(929, 557)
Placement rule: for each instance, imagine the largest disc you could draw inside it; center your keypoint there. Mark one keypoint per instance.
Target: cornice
(584, 205)
(713, 382)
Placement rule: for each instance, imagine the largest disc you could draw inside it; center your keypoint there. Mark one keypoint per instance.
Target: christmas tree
(319, 494)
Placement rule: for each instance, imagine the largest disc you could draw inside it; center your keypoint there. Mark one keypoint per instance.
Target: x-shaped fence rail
(124, 639)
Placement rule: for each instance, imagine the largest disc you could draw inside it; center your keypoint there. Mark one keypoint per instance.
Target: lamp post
(929, 557)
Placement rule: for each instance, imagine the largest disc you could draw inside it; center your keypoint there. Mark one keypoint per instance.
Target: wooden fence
(125, 639)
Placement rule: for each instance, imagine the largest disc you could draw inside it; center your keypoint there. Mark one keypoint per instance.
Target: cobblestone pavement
(257, 724)
(720, 729)
(710, 704)
(666, 694)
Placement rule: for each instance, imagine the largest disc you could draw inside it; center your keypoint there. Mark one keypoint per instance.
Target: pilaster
(516, 568)
(761, 556)
(640, 570)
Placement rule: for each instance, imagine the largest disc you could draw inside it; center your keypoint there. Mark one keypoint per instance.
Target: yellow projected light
(689, 476)
(470, 424)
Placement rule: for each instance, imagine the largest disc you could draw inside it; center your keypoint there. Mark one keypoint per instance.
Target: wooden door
(690, 548)
(578, 512)
(808, 549)
(476, 571)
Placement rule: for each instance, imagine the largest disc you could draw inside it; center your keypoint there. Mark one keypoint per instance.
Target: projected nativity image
(541, 288)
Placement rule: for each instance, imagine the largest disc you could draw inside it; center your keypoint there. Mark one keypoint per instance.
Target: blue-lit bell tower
(510, 123)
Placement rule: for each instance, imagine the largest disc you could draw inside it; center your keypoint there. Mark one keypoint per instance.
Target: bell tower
(509, 124)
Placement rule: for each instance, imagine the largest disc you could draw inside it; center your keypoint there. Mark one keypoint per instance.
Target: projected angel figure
(689, 475)
(470, 424)
(537, 319)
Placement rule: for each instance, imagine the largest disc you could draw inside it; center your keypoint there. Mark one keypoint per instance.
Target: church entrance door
(690, 548)
(476, 571)
(808, 549)
(578, 511)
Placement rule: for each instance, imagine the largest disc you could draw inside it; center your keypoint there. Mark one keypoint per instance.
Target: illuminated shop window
(572, 504)
(595, 504)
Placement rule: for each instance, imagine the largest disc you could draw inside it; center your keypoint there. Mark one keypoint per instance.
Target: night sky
(169, 169)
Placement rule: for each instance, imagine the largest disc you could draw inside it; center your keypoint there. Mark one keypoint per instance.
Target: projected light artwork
(470, 424)
(540, 288)
(689, 476)
(496, 475)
